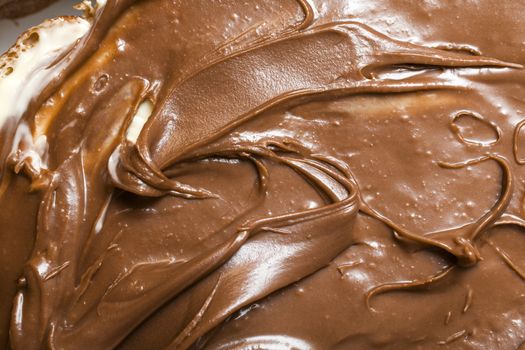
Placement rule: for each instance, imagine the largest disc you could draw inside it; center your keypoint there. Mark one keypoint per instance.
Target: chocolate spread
(19, 8)
(313, 175)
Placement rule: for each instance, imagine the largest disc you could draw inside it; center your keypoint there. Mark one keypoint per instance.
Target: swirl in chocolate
(272, 175)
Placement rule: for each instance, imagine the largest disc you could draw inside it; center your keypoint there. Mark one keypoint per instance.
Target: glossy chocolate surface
(343, 174)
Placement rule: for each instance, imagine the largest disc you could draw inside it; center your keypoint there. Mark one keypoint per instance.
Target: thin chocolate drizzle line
(453, 337)
(405, 285)
(459, 48)
(349, 187)
(90, 272)
(505, 196)
(336, 163)
(448, 317)
(269, 149)
(55, 271)
(5, 181)
(515, 145)
(130, 272)
(513, 220)
(461, 244)
(510, 219)
(195, 320)
(341, 268)
(262, 172)
(310, 13)
(507, 260)
(97, 225)
(279, 231)
(457, 132)
(266, 149)
(468, 299)
(158, 184)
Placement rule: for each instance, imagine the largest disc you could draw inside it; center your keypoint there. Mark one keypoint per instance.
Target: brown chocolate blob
(313, 175)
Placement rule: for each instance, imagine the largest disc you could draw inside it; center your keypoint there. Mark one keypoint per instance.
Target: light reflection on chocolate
(299, 182)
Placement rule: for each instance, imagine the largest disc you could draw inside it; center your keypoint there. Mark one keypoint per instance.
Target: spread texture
(296, 174)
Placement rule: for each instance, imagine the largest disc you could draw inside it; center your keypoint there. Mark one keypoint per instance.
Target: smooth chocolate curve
(313, 175)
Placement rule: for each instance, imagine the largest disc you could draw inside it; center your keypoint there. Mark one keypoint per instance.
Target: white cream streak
(27, 67)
